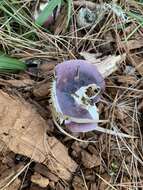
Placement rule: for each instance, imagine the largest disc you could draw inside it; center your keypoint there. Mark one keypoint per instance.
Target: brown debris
(78, 183)
(47, 67)
(9, 178)
(3, 148)
(59, 186)
(93, 186)
(61, 22)
(15, 185)
(140, 106)
(132, 44)
(42, 89)
(24, 131)
(20, 83)
(52, 185)
(90, 160)
(76, 149)
(127, 80)
(105, 181)
(41, 169)
(17, 83)
(36, 187)
(137, 62)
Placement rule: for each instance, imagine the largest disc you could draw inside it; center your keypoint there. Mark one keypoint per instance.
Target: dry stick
(84, 179)
(88, 4)
(106, 182)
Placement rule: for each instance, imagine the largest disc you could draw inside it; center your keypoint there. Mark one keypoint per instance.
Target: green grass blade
(48, 10)
(8, 64)
(139, 18)
(69, 2)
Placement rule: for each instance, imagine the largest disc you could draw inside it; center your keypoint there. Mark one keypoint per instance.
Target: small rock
(40, 180)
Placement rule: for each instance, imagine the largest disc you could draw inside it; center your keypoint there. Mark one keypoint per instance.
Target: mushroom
(76, 88)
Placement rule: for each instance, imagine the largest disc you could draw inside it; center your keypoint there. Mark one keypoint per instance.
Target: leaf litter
(34, 153)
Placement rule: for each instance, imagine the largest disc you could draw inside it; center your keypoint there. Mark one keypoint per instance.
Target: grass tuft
(48, 10)
(8, 64)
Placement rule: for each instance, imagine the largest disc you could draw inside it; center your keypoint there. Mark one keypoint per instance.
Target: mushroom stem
(99, 129)
(68, 134)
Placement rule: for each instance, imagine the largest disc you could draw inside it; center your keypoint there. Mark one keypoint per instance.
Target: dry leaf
(107, 65)
(24, 132)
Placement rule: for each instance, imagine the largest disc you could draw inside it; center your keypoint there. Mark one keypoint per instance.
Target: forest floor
(34, 153)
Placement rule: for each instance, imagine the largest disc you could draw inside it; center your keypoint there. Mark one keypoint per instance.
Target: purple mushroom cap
(70, 77)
